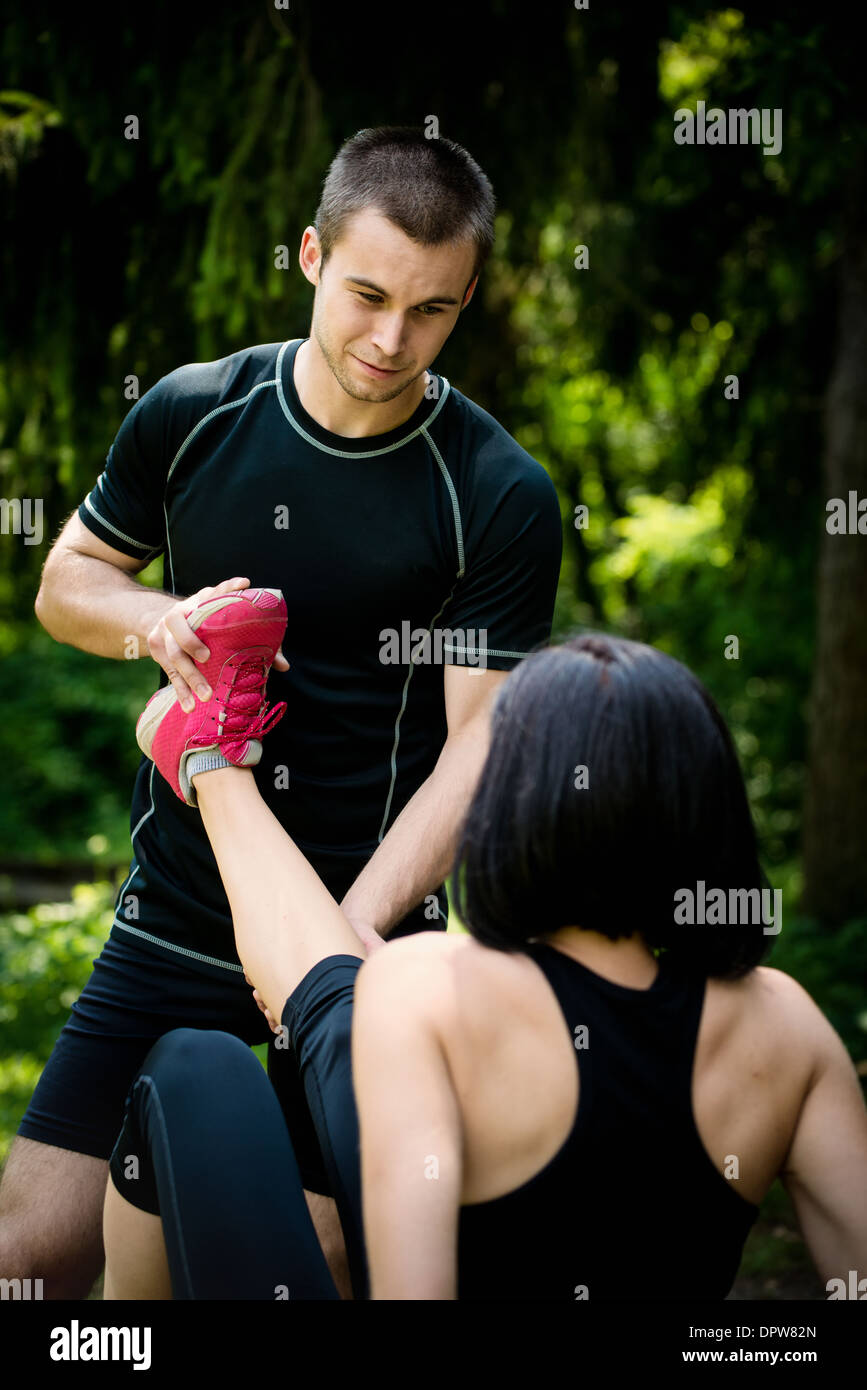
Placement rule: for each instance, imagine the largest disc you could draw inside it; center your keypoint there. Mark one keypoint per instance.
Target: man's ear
(310, 255)
(468, 292)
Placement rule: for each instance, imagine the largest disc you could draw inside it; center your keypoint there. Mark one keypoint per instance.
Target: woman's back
(699, 1089)
(622, 1121)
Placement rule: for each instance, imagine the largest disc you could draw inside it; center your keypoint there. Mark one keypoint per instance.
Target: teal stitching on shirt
(420, 430)
(139, 545)
(137, 931)
(481, 651)
(459, 535)
(218, 410)
(348, 453)
(397, 725)
(134, 871)
(459, 530)
(182, 950)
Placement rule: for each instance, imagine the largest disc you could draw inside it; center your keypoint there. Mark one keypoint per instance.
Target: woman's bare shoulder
(779, 989)
(777, 1004)
(441, 965)
(412, 960)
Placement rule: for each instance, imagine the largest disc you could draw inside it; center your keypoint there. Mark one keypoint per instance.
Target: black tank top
(631, 1207)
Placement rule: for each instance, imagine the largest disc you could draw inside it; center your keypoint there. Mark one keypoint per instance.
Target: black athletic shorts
(204, 1145)
(133, 997)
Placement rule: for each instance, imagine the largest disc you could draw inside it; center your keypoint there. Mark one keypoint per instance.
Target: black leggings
(205, 1145)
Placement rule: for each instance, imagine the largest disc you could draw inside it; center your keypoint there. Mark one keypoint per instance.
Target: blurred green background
(705, 504)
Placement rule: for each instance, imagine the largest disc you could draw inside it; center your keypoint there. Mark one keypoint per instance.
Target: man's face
(382, 299)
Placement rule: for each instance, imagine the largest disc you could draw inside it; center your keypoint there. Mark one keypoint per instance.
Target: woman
(584, 1098)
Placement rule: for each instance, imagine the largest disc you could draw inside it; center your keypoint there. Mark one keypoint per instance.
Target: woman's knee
(194, 1051)
(188, 1077)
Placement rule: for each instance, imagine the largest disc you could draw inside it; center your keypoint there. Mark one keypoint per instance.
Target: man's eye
(427, 310)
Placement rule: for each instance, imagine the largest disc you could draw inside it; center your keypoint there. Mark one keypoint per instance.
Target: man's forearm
(91, 604)
(416, 855)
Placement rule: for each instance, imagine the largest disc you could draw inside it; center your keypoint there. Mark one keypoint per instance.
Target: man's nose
(387, 337)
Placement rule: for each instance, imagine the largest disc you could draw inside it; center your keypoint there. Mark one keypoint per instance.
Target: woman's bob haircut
(611, 785)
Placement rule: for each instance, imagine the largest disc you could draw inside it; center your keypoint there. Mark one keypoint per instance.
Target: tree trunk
(835, 822)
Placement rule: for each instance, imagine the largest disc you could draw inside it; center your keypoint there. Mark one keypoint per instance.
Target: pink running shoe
(242, 631)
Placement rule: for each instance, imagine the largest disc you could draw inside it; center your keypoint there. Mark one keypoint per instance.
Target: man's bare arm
(416, 855)
(88, 598)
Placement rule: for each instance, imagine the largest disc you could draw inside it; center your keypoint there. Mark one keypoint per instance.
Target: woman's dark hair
(431, 188)
(659, 807)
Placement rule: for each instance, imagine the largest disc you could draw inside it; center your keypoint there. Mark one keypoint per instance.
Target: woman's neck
(627, 961)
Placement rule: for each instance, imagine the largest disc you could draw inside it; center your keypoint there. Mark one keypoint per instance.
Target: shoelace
(245, 715)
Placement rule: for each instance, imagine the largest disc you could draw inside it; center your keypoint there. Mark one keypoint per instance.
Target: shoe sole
(158, 706)
(152, 716)
(213, 605)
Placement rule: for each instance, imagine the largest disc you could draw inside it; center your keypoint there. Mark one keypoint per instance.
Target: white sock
(205, 762)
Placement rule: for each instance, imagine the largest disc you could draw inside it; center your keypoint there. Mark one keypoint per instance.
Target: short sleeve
(125, 506)
(503, 606)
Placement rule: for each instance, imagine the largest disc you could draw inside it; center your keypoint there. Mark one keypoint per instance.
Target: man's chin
(364, 388)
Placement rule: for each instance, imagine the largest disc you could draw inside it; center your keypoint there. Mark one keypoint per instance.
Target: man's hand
(176, 647)
(370, 939)
(269, 1017)
(367, 934)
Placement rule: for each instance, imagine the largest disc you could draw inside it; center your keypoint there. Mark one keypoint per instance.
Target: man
(384, 504)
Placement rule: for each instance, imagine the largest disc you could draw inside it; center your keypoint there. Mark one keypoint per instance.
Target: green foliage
(832, 969)
(711, 266)
(67, 747)
(776, 1262)
(47, 953)
(46, 956)
(23, 122)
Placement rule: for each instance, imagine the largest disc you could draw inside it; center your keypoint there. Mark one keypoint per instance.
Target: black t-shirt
(443, 524)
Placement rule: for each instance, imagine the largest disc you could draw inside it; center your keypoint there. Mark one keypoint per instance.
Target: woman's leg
(136, 1263)
(285, 919)
(303, 956)
(205, 1154)
(317, 1018)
